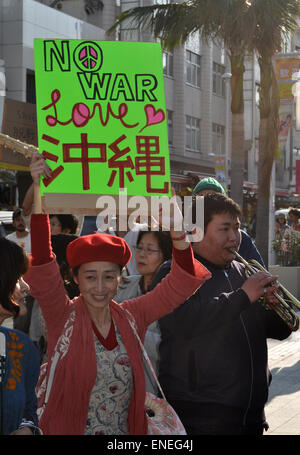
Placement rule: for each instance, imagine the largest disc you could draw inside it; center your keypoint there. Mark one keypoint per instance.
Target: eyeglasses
(148, 251)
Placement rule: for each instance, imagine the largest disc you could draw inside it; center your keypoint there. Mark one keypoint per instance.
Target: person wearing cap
(98, 377)
(130, 235)
(247, 247)
(21, 236)
(206, 185)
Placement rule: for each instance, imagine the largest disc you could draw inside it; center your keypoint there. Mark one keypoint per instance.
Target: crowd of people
(197, 313)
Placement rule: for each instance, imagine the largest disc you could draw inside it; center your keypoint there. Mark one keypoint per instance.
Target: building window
(170, 126)
(192, 134)
(193, 68)
(168, 63)
(30, 87)
(218, 139)
(218, 81)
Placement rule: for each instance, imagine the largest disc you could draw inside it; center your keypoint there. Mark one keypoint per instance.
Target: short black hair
(14, 264)
(215, 204)
(67, 222)
(16, 213)
(59, 243)
(295, 212)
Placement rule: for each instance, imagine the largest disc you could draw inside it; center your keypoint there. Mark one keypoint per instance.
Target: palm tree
(274, 20)
(221, 20)
(244, 26)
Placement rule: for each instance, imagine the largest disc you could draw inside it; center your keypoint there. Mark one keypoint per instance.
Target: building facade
(197, 87)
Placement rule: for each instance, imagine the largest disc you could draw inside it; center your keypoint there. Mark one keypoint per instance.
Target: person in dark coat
(213, 364)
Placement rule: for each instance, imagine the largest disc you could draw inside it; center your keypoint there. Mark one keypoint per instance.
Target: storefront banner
(220, 170)
(285, 69)
(285, 122)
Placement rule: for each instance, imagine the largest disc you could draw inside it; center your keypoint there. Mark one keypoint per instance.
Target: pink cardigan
(67, 407)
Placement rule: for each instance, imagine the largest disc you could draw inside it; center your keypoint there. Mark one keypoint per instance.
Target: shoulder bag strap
(132, 323)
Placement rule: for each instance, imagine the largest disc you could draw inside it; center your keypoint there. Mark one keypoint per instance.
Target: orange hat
(98, 247)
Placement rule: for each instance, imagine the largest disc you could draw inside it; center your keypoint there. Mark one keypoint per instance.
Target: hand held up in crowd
(38, 167)
(175, 223)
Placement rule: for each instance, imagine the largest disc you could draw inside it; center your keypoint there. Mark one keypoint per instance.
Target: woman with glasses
(152, 250)
(95, 367)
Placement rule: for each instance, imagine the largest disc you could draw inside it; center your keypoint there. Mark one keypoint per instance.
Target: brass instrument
(285, 301)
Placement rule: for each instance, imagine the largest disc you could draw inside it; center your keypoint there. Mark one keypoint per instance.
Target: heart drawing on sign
(153, 116)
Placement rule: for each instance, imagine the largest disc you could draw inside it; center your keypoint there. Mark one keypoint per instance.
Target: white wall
(23, 20)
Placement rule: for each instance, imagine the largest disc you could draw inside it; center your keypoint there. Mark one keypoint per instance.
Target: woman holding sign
(95, 369)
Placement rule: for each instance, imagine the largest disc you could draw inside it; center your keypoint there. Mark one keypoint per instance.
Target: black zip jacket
(213, 349)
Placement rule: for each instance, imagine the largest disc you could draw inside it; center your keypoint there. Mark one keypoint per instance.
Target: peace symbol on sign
(88, 56)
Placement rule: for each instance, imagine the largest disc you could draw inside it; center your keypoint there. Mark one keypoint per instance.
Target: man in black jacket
(213, 351)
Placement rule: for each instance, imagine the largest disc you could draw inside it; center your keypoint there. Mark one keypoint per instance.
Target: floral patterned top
(111, 394)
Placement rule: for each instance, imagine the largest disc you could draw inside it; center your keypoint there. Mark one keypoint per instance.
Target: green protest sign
(101, 117)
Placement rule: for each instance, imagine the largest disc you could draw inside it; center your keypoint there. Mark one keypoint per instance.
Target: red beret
(98, 247)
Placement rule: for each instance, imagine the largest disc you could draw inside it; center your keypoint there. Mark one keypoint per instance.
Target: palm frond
(175, 22)
(275, 20)
(163, 20)
(141, 16)
(172, 23)
(242, 26)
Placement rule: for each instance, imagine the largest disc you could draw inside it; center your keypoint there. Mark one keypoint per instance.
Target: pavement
(283, 407)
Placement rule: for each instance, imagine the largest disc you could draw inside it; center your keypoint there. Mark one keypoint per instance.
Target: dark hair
(67, 222)
(164, 241)
(14, 263)
(59, 246)
(295, 212)
(16, 213)
(281, 216)
(215, 204)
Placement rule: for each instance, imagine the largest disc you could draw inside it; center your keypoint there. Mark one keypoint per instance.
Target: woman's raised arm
(38, 168)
